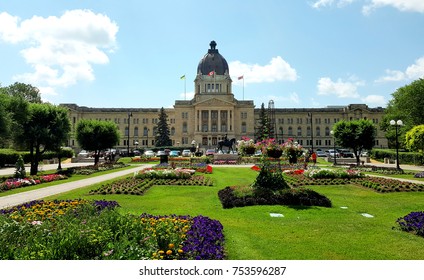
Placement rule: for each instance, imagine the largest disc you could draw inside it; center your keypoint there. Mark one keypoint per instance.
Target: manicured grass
(303, 233)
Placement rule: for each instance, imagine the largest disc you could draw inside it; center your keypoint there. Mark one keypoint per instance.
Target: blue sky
(129, 54)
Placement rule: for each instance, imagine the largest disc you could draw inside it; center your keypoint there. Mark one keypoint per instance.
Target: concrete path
(19, 198)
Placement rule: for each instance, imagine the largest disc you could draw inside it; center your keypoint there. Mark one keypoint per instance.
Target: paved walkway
(19, 198)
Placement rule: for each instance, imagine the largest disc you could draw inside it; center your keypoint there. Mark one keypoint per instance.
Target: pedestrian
(314, 158)
(307, 155)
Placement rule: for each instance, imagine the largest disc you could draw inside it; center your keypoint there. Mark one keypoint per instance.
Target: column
(209, 121)
(219, 120)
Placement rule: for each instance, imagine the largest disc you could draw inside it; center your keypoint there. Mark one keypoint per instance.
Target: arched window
(290, 131)
(172, 131)
(327, 131)
(135, 131)
(145, 131)
(308, 131)
(184, 127)
(299, 131)
(318, 131)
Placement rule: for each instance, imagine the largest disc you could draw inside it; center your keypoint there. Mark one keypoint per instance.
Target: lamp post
(128, 140)
(148, 137)
(136, 144)
(334, 140)
(312, 132)
(397, 124)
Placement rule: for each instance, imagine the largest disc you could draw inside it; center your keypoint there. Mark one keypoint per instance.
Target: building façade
(214, 113)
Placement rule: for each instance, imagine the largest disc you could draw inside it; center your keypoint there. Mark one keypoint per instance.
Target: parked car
(321, 154)
(186, 153)
(210, 152)
(149, 153)
(174, 153)
(346, 153)
(83, 153)
(161, 153)
(331, 153)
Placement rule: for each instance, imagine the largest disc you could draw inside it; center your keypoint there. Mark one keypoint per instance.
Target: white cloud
(371, 5)
(340, 88)
(412, 72)
(61, 50)
(375, 100)
(187, 95)
(402, 5)
(291, 98)
(327, 3)
(276, 70)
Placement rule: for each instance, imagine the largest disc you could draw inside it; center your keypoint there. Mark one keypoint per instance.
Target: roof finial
(213, 45)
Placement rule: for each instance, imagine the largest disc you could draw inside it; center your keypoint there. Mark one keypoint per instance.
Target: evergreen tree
(262, 131)
(162, 132)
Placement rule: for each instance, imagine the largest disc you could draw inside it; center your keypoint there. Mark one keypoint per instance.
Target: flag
(182, 77)
(211, 73)
(241, 77)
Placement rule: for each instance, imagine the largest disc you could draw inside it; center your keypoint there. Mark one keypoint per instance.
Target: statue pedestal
(225, 158)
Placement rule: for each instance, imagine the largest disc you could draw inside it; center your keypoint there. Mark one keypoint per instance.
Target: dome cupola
(213, 61)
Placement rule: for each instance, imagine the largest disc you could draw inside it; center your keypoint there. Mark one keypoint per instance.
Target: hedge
(404, 157)
(9, 156)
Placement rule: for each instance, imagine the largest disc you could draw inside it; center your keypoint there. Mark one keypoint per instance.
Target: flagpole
(243, 86)
(185, 91)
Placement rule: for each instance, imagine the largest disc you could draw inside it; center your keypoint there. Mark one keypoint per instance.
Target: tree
(162, 132)
(5, 120)
(96, 136)
(25, 91)
(356, 135)
(46, 126)
(414, 139)
(407, 105)
(263, 130)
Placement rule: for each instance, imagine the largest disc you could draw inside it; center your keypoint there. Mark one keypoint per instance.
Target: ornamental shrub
(269, 181)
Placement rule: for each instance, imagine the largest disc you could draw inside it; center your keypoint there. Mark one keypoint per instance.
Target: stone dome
(213, 61)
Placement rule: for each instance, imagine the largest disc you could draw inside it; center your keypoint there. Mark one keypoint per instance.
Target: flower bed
(413, 223)
(90, 169)
(138, 186)
(178, 173)
(221, 162)
(14, 183)
(84, 230)
(230, 197)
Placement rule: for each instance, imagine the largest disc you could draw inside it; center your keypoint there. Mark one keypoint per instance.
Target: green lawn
(313, 233)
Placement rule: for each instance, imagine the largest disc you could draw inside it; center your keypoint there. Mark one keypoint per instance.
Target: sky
(132, 53)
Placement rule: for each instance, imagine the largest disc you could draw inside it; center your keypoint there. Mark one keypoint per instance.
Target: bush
(292, 197)
(269, 181)
(413, 222)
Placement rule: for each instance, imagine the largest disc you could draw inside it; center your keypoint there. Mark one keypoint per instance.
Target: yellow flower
(161, 252)
(169, 252)
(171, 246)
(180, 251)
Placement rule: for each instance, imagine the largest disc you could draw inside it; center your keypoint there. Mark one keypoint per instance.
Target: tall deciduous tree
(407, 105)
(5, 120)
(96, 136)
(45, 127)
(263, 130)
(162, 132)
(25, 91)
(357, 135)
(414, 139)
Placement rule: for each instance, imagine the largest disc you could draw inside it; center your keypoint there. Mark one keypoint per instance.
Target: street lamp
(334, 140)
(128, 140)
(136, 144)
(397, 124)
(148, 137)
(312, 132)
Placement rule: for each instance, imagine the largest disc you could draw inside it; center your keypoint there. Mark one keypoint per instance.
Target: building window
(184, 127)
(318, 131)
(243, 127)
(290, 131)
(172, 131)
(308, 131)
(327, 131)
(127, 131)
(299, 131)
(135, 131)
